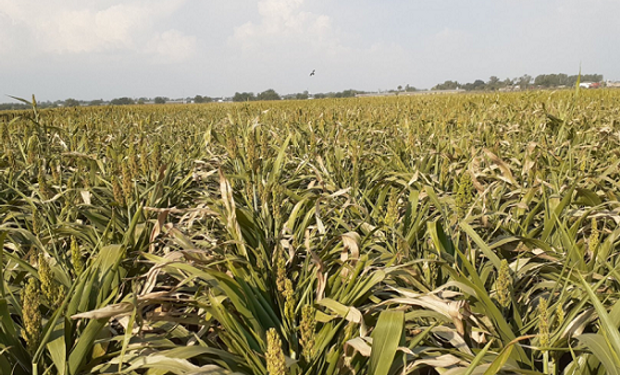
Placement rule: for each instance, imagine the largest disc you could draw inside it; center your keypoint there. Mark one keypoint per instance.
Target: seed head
(276, 363)
(280, 272)
(306, 331)
(5, 135)
(144, 161)
(231, 142)
(289, 298)
(443, 172)
(55, 169)
(559, 313)
(47, 278)
(503, 283)
(264, 144)
(85, 143)
(31, 315)
(433, 270)
(117, 191)
(583, 165)
(543, 323)
(464, 194)
(133, 161)
(76, 257)
(593, 240)
(127, 182)
(33, 149)
(51, 290)
(391, 216)
(44, 188)
(156, 157)
(250, 150)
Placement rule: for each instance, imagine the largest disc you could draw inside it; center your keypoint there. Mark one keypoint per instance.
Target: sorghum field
(454, 234)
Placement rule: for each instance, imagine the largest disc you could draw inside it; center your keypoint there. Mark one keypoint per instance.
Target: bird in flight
(311, 74)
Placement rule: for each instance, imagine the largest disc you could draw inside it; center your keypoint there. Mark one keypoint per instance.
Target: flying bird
(311, 74)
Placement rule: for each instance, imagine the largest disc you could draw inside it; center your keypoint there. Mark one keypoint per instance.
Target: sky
(105, 49)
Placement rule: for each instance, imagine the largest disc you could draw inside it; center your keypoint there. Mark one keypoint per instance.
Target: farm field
(448, 234)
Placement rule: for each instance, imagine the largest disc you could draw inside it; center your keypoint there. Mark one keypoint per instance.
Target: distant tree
(71, 103)
(122, 101)
(302, 96)
(347, 94)
(591, 78)
(160, 100)
(400, 88)
(524, 81)
(493, 84)
(410, 88)
(475, 86)
(13, 106)
(202, 99)
(243, 97)
(563, 79)
(447, 85)
(545, 80)
(268, 95)
(95, 102)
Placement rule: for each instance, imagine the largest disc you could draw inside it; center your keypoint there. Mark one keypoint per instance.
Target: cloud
(283, 22)
(70, 27)
(171, 46)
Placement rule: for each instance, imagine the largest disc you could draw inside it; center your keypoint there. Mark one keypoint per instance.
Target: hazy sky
(90, 49)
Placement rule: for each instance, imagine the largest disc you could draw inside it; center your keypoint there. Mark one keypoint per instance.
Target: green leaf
(588, 197)
(58, 349)
(608, 329)
(483, 246)
(599, 346)
(499, 361)
(385, 341)
(478, 359)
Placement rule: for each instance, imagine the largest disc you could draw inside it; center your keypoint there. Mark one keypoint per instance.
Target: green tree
(202, 99)
(160, 100)
(71, 103)
(493, 84)
(243, 97)
(524, 81)
(268, 95)
(122, 101)
(302, 96)
(447, 85)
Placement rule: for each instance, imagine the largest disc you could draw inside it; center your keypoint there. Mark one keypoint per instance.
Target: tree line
(492, 84)
(524, 82)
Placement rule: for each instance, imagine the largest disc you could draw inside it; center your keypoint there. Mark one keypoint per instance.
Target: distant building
(510, 88)
(613, 84)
